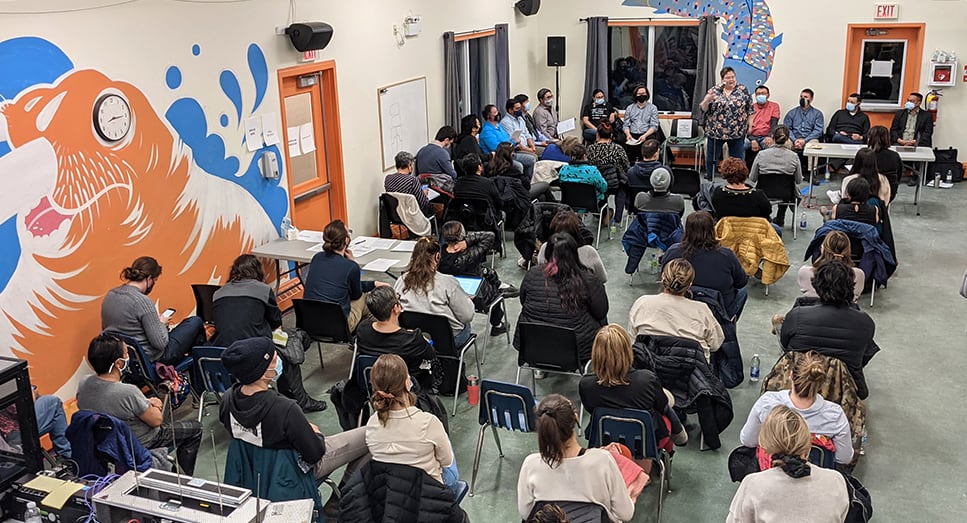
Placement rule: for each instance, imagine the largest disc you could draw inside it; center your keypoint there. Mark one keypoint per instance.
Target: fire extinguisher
(933, 103)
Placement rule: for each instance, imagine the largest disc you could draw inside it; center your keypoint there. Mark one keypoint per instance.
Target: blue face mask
(761, 99)
(850, 106)
(527, 106)
(278, 368)
(599, 101)
(909, 106)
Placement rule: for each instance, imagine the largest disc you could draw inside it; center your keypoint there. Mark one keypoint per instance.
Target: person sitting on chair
(736, 198)
(492, 135)
(404, 181)
(640, 120)
(888, 162)
(472, 184)
(598, 110)
(545, 116)
(658, 199)
(765, 116)
(514, 122)
(777, 159)
(468, 141)
(580, 171)
(855, 205)
(567, 221)
(51, 420)
(386, 336)
(912, 126)
(864, 166)
(849, 125)
(805, 125)
(104, 392)
(541, 140)
(639, 175)
(463, 255)
(612, 162)
(434, 157)
(836, 248)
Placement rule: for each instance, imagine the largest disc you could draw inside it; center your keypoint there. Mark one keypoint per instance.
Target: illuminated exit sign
(886, 12)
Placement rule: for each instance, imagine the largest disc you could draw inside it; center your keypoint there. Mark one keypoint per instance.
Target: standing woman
(728, 117)
(641, 122)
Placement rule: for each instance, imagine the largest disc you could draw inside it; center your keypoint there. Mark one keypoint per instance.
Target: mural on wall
(748, 31)
(82, 198)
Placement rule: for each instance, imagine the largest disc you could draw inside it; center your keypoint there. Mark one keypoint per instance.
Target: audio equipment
(528, 7)
(306, 36)
(555, 51)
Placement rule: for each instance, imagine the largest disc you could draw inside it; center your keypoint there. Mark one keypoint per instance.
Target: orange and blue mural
(76, 207)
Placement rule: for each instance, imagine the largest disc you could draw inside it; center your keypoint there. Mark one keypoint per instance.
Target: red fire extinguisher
(933, 103)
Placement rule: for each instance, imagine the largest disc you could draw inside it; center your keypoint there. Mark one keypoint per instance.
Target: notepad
(58, 491)
(405, 246)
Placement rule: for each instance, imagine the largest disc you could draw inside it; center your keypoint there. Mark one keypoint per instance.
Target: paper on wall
(307, 139)
(292, 135)
(881, 68)
(565, 126)
(270, 129)
(253, 133)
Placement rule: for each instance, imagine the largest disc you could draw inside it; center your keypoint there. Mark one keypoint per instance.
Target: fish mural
(748, 31)
(77, 208)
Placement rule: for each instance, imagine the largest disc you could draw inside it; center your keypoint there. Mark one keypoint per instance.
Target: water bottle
(936, 182)
(949, 178)
(613, 231)
(286, 225)
(754, 370)
(654, 264)
(863, 443)
(802, 222)
(32, 514)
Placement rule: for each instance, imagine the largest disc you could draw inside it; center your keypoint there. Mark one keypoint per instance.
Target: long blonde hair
(611, 355)
(785, 436)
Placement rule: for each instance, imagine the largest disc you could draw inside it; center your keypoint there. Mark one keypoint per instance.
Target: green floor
(914, 465)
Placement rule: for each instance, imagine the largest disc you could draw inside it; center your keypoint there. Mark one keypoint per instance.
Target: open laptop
(470, 284)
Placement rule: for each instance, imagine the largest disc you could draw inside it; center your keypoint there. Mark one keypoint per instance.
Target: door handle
(312, 192)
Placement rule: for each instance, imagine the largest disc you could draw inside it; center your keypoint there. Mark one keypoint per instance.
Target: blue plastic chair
(215, 378)
(636, 430)
(502, 405)
(141, 367)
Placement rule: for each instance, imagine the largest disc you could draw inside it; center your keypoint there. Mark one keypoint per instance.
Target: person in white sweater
(793, 490)
(824, 418)
(564, 471)
(836, 247)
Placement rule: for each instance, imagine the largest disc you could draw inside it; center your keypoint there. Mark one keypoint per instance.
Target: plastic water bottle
(613, 231)
(286, 225)
(863, 442)
(654, 264)
(754, 370)
(802, 222)
(32, 514)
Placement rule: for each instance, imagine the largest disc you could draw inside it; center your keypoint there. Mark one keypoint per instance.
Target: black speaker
(555, 51)
(307, 36)
(528, 7)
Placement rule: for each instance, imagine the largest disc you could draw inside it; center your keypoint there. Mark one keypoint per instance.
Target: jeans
(749, 153)
(738, 304)
(839, 138)
(52, 420)
(713, 152)
(527, 160)
(590, 135)
(451, 475)
(189, 333)
(461, 337)
(186, 435)
(673, 421)
(777, 227)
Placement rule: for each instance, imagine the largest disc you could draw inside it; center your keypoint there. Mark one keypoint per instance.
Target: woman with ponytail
(836, 247)
(825, 419)
(399, 432)
(672, 313)
(565, 471)
(792, 490)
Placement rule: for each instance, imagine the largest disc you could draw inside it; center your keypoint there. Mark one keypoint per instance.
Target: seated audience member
(567, 221)
(849, 125)
(855, 204)
(563, 292)
(820, 494)
(615, 384)
(670, 313)
(246, 307)
(492, 135)
(549, 513)
(639, 174)
(51, 420)
(514, 122)
(805, 125)
(835, 248)
(834, 327)
(715, 267)
(888, 161)
(254, 413)
(405, 181)
(128, 310)
(108, 357)
(580, 171)
(551, 474)
(503, 164)
(640, 120)
(765, 116)
(560, 151)
(540, 139)
(658, 199)
(612, 162)
(399, 432)
(912, 126)
(596, 111)
(777, 159)
(545, 116)
(424, 289)
(463, 255)
(468, 141)
(434, 157)
(384, 335)
(736, 198)
(472, 184)
(824, 418)
(334, 275)
(864, 166)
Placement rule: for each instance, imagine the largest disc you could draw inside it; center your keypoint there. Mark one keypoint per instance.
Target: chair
(101, 443)
(549, 348)
(499, 302)
(214, 376)
(872, 257)
(141, 369)
(636, 430)
(204, 301)
(389, 218)
(694, 140)
(502, 406)
(822, 457)
(577, 511)
(477, 214)
(631, 193)
(438, 328)
(325, 322)
(782, 191)
(583, 197)
(687, 182)
(363, 368)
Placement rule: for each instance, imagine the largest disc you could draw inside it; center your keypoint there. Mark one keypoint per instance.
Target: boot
(291, 386)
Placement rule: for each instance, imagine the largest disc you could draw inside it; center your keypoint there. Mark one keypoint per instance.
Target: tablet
(470, 284)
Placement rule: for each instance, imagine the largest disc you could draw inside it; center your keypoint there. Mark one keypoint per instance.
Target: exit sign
(309, 56)
(887, 12)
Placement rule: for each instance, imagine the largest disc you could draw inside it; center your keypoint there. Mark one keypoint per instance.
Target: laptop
(470, 284)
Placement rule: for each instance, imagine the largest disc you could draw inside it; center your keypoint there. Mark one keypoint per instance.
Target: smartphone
(168, 313)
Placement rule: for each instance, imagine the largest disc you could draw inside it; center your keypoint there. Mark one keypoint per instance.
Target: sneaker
(680, 439)
(834, 196)
(497, 330)
(510, 291)
(522, 263)
(777, 320)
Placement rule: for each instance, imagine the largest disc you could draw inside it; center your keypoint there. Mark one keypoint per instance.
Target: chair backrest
(436, 327)
(632, 193)
(548, 347)
(322, 320)
(139, 365)
(685, 182)
(363, 368)
(579, 196)
(694, 132)
(577, 511)
(214, 376)
(631, 427)
(204, 300)
(544, 213)
(777, 186)
(822, 457)
(272, 474)
(390, 205)
(507, 406)
(476, 214)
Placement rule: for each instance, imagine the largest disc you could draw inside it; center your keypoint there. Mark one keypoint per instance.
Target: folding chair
(686, 182)
(549, 348)
(325, 322)
(502, 406)
(141, 369)
(438, 328)
(583, 198)
(204, 301)
(636, 430)
(363, 365)
(214, 376)
(782, 192)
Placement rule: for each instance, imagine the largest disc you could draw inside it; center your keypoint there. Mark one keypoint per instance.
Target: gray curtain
(502, 47)
(597, 58)
(450, 78)
(705, 73)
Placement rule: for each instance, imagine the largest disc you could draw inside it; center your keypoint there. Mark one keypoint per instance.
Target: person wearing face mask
(493, 134)
(434, 157)
(513, 122)
(728, 117)
(640, 122)
(911, 125)
(805, 125)
(540, 139)
(104, 392)
(545, 117)
(597, 111)
(849, 125)
(765, 117)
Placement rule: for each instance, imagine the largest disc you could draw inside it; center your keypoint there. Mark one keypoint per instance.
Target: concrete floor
(914, 382)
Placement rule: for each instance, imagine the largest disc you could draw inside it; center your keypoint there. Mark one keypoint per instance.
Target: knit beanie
(248, 359)
(661, 179)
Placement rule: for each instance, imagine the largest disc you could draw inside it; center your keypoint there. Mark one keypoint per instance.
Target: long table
(922, 156)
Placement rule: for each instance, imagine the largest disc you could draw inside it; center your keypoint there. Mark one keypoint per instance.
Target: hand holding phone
(167, 314)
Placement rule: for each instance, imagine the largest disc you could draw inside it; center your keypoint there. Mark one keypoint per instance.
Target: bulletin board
(402, 118)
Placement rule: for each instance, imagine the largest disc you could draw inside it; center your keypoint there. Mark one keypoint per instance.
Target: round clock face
(112, 117)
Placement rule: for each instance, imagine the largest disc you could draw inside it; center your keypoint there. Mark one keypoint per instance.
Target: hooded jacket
(270, 420)
(393, 493)
(877, 262)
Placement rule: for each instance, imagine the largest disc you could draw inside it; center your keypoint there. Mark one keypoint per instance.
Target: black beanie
(247, 359)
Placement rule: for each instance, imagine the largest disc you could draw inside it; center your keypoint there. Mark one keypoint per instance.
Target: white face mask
(549, 102)
(125, 366)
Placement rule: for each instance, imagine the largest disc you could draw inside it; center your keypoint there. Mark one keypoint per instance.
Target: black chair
(204, 301)
(438, 328)
(632, 192)
(388, 218)
(686, 182)
(782, 191)
(583, 197)
(324, 322)
(549, 348)
(477, 214)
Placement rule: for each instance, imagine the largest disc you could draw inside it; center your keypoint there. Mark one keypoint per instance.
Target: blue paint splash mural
(749, 32)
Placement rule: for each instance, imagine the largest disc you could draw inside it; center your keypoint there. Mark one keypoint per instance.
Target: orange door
(883, 64)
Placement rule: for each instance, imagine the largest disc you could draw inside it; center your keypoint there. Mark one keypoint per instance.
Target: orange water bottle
(473, 390)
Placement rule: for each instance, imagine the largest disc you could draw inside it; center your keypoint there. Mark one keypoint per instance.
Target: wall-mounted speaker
(528, 7)
(555, 51)
(307, 36)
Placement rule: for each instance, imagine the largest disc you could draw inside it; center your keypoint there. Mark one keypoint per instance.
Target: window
(476, 73)
(662, 57)
(882, 71)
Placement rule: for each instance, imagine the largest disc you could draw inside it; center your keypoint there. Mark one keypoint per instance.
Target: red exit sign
(886, 12)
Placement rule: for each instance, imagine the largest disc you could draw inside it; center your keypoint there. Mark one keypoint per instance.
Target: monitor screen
(469, 284)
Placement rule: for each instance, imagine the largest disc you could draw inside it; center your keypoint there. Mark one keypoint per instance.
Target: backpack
(860, 502)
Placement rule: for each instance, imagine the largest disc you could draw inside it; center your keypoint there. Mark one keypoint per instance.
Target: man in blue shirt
(433, 157)
(805, 125)
(492, 135)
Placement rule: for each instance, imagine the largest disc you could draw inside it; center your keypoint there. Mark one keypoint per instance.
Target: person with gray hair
(658, 199)
(405, 181)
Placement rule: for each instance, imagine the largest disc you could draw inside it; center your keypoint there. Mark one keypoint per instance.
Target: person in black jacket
(834, 327)
(921, 133)
(471, 184)
(467, 141)
(393, 492)
(463, 255)
(563, 292)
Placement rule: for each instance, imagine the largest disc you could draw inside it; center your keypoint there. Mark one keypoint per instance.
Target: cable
(69, 10)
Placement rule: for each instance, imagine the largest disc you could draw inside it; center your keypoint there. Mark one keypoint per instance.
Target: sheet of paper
(307, 140)
(270, 129)
(310, 236)
(881, 68)
(685, 127)
(380, 265)
(253, 133)
(44, 483)
(431, 194)
(361, 250)
(373, 242)
(59, 496)
(293, 140)
(634, 141)
(852, 146)
(315, 248)
(565, 126)
(516, 136)
(405, 246)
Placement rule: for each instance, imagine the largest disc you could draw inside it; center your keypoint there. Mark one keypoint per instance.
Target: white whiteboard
(402, 118)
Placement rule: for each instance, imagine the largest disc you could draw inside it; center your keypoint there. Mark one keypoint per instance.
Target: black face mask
(641, 98)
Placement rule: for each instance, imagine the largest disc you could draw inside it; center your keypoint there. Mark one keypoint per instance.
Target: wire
(69, 10)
